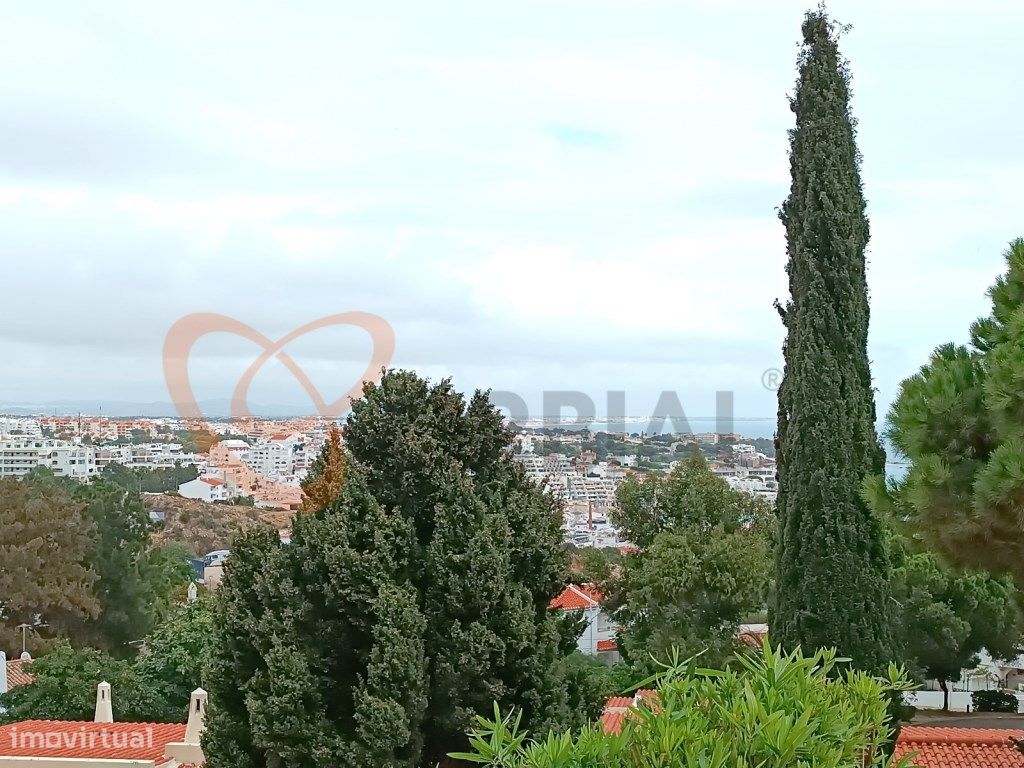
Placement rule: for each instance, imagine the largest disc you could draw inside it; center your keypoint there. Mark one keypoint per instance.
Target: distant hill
(202, 527)
(214, 409)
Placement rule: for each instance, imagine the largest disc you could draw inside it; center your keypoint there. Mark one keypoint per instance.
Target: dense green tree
(591, 682)
(703, 565)
(45, 543)
(691, 497)
(153, 687)
(404, 607)
(949, 617)
(172, 659)
(134, 581)
(690, 591)
(832, 570)
(65, 683)
(149, 480)
(960, 423)
(319, 656)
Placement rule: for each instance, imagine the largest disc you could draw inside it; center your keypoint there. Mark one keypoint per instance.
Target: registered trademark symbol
(771, 379)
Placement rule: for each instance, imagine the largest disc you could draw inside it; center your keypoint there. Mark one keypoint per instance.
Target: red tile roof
(607, 645)
(212, 481)
(753, 638)
(618, 702)
(960, 747)
(56, 739)
(577, 596)
(16, 674)
(611, 722)
(617, 708)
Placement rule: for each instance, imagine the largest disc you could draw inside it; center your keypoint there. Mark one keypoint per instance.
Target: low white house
(103, 743)
(208, 489)
(599, 635)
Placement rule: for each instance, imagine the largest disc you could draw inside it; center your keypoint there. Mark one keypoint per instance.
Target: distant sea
(750, 427)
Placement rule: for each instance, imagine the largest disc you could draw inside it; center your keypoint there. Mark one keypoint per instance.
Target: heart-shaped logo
(183, 335)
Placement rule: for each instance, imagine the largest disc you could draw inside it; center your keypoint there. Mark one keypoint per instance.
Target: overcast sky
(536, 195)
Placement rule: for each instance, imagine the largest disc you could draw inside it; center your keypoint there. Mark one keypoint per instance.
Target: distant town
(262, 462)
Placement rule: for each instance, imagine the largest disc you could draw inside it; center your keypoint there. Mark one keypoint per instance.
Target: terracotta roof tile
(16, 673)
(577, 596)
(59, 739)
(960, 747)
(753, 639)
(611, 722)
(618, 702)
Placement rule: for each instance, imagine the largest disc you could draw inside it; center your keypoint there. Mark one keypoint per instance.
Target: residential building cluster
(587, 485)
(586, 488)
(265, 460)
(749, 471)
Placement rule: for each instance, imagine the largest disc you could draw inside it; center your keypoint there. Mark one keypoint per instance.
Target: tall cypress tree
(832, 571)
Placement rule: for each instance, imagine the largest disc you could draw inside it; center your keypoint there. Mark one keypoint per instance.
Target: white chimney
(188, 751)
(104, 711)
(3, 672)
(196, 716)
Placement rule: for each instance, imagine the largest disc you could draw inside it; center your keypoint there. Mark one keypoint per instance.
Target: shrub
(774, 711)
(994, 701)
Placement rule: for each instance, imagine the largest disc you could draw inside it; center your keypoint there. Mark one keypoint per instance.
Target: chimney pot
(104, 710)
(196, 716)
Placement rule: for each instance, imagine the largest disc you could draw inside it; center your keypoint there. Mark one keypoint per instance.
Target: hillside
(203, 527)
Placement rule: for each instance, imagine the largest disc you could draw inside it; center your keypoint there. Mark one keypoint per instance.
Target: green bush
(994, 701)
(774, 711)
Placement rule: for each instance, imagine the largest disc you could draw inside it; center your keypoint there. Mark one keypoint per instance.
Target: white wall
(958, 700)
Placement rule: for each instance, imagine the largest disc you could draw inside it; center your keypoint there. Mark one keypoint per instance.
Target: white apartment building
(275, 458)
(764, 487)
(20, 426)
(20, 455)
(598, 490)
(539, 467)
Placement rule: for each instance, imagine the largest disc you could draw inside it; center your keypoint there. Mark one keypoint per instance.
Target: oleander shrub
(773, 710)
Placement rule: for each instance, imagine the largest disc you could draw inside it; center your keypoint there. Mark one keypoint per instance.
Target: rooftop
(962, 747)
(61, 739)
(16, 673)
(577, 596)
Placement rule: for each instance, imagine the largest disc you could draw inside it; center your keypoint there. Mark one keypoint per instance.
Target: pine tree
(403, 608)
(960, 423)
(134, 580)
(45, 542)
(832, 570)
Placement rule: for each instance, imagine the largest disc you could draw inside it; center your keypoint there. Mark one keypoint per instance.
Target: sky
(536, 196)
